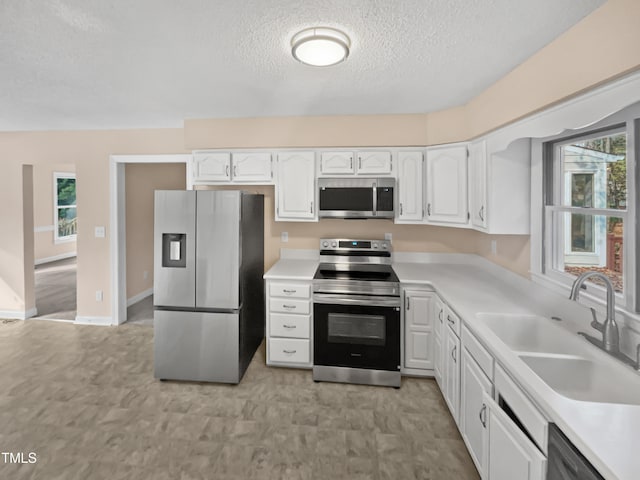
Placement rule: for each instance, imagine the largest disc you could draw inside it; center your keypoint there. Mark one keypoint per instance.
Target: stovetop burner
(360, 267)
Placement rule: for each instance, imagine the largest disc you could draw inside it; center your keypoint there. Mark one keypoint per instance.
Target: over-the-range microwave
(356, 197)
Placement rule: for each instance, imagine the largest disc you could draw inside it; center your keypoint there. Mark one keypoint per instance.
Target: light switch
(284, 237)
(99, 232)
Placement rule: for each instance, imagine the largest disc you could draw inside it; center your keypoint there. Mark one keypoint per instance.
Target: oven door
(356, 331)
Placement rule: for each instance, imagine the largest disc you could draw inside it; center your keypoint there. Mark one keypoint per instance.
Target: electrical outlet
(99, 232)
(494, 247)
(98, 295)
(388, 236)
(145, 275)
(284, 237)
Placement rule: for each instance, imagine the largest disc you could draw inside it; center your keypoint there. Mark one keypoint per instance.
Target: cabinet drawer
(285, 325)
(523, 408)
(293, 290)
(290, 305)
(478, 352)
(288, 350)
(452, 320)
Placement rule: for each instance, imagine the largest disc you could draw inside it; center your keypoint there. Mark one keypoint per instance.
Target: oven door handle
(373, 301)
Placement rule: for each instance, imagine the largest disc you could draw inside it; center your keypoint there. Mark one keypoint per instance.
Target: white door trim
(117, 240)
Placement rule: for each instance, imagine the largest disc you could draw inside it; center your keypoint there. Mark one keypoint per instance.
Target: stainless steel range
(356, 312)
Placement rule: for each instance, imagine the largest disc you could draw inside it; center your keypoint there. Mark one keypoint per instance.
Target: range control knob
(375, 245)
(334, 244)
(384, 245)
(325, 244)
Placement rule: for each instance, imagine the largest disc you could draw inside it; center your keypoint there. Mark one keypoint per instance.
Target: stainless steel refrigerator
(208, 287)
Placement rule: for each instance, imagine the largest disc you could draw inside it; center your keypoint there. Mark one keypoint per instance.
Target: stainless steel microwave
(356, 197)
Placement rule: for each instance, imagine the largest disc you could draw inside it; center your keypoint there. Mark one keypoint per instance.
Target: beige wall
(89, 151)
(141, 180)
(43, 211)
(601, 47)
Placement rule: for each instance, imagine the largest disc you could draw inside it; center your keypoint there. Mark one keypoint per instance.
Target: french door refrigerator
(208, 287)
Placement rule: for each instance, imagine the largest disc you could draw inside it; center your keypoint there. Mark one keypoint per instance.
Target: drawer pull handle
(288, 292)
(483, 415)
(451, 322)
(288, 306)
(440, 315)
(289, 352)
(453, 354)
(289, 326)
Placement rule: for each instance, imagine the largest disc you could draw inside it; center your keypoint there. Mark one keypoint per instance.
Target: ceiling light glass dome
(320, 46)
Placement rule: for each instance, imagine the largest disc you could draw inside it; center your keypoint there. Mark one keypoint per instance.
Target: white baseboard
(18, 314)
(62, 256)
(140, 296)
(100, 321)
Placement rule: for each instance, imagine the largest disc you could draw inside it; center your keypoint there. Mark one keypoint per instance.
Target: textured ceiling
(90, 64)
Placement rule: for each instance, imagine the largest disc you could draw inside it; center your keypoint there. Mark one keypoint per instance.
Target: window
(64, 199)
(586, 207)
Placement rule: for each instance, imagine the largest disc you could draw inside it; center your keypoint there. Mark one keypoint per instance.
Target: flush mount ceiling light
(320, 46)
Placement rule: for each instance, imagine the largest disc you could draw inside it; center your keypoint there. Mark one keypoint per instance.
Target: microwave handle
(375, 198)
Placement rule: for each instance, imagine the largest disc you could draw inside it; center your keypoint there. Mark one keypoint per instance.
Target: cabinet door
(451, 373)
(410, 186)
(295, 184)
(473, 383)
(337, 162)
(211, 167)
(478, 184)
(252, 167)
(438, 350)
(374, 163)
(418, 352)
(509, 453)
(447, 185)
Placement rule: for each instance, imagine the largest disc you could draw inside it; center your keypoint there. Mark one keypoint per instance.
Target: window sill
(70, 239)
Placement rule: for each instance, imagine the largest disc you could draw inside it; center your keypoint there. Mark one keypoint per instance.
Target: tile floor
(84, 399)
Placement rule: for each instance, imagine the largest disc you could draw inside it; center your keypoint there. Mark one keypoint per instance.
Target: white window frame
(69, 238)
(542, 270)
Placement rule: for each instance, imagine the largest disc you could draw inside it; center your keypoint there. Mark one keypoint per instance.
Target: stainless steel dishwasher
(565, 462)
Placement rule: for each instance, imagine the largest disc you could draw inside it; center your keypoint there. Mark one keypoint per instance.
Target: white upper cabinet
(211, 167)
(374, 163)
(295, 186)
(446, 185)
(338, 163)
(499, 187)
(478, 184)
(409, 186)
(236, 167)
(251, 167)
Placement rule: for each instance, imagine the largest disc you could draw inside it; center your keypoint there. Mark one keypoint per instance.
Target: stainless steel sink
(587, 380)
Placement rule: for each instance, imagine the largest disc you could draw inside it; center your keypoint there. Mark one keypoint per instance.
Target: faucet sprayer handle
(595, 323)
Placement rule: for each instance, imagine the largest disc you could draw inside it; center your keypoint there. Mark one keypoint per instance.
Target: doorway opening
(55, 239)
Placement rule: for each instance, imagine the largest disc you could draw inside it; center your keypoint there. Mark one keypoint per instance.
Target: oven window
(356, 329)
(350, 199)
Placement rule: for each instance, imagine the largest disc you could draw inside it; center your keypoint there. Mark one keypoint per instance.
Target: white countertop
(608, 435)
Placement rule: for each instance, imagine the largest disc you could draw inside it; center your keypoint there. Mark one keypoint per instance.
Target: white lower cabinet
(451, 371)
(438, 344)
(418, 340)
(473, 385)
(509, 453)
(289, 323)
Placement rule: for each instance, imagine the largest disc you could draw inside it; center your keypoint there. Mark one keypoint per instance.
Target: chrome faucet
(609, 328)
